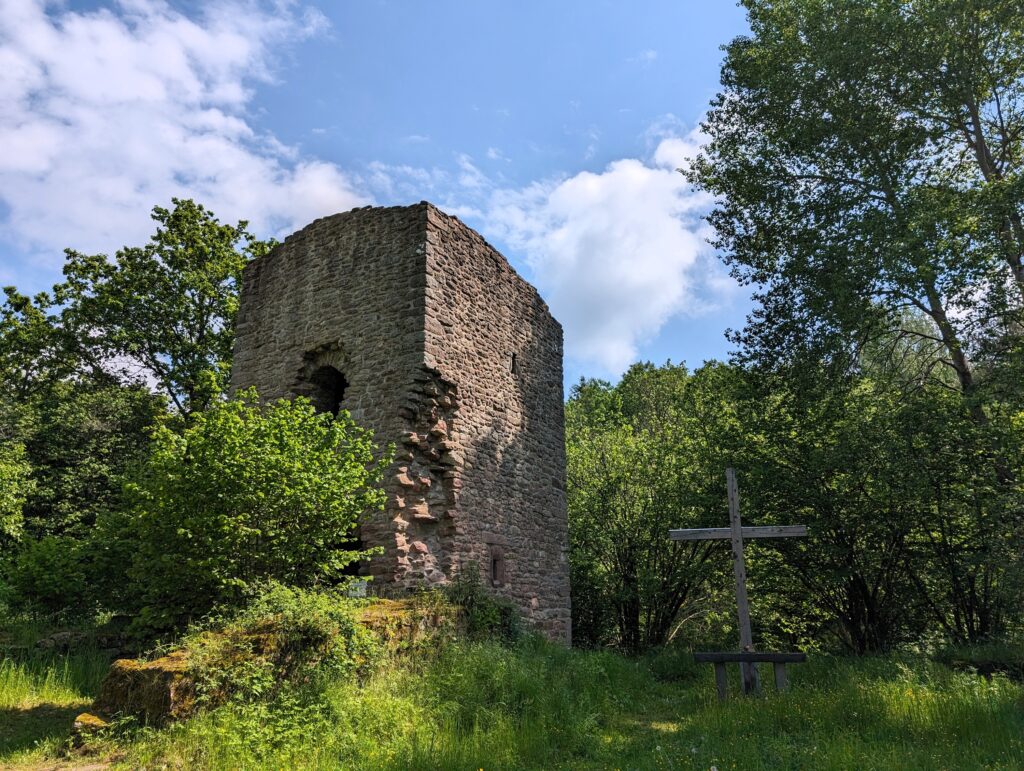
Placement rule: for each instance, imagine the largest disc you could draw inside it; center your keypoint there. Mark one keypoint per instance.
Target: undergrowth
(311, 691)
(537, 705)
(40, 694)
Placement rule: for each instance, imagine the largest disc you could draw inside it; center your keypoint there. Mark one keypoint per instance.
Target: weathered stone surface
(432, 340)
(85, 727)
(398, 623)
(61, 642)
(159, 691)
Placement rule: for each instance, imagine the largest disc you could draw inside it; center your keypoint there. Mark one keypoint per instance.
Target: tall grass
(539, 706)
(40, 694)
(536, 705)
(55, 680)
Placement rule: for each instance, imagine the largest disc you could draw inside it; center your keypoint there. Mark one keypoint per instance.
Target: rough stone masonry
(419, 328)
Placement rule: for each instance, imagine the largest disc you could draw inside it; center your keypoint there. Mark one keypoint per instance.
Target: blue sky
(552, 128)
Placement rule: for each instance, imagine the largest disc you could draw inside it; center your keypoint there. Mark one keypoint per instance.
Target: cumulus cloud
(615, 253)
(108, 112)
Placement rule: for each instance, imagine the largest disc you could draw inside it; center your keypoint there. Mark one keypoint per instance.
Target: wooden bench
(777, 660)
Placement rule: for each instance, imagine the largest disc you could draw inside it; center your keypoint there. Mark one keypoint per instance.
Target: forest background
(866, 160)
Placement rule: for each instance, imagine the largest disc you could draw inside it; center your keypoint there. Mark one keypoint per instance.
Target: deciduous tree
(164, 312)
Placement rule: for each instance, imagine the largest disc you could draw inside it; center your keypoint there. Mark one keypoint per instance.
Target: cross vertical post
(735, 533)
(751, 682)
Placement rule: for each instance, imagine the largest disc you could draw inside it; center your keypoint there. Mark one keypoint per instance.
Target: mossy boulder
(157, 691)
(406, 623)
(87, 725)
(293, 638)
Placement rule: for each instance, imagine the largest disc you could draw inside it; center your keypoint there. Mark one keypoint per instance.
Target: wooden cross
(736, 533)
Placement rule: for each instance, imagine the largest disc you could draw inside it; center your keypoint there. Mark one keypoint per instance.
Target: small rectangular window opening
(513, 365)
(497, 566)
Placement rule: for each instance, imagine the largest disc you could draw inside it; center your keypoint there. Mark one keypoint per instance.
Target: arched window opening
(328, 389)
(497, 566)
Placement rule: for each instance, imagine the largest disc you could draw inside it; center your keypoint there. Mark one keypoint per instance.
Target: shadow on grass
(842, 714)
(23, 729)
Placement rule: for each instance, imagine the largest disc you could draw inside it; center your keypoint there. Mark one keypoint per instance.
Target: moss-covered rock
(290, 637)
(157, 691)
(86, 726)
(406, 623)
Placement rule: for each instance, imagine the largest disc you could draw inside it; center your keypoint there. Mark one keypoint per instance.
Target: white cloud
(108, 112)
(470, 177)
(615, 253)
(672, 145)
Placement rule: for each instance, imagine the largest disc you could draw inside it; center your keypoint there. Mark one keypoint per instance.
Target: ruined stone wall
(490, 332)
(345, 291)
(423, 318)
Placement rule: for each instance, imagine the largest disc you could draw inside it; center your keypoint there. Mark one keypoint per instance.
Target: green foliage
(283, 638)
(166, 308)
(33, 352)
(246, 494)
(483, 614)
(642, 458)
(867, 163)
(898, 551)
(15, 487)
(49, 577)
(82, 441)
(867, 160)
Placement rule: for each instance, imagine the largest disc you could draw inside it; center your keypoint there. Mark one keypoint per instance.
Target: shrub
(483, 614)
(15, 485)
(283, 639)
(48, 577)
(245, 495)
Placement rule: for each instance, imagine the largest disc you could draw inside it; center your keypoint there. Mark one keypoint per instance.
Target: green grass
(40, 695)
(539, 706)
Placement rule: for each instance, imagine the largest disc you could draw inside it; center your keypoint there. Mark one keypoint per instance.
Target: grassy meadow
(534, 705)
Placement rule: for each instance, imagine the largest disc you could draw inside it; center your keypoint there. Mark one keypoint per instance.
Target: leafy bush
(245, 495)
(15, 485)
(284, 639)
(483, 614)
(49, 577)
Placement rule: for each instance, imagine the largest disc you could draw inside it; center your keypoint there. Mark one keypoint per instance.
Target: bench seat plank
(749, 657)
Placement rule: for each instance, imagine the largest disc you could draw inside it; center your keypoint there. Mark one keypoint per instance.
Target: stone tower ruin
(419, 328)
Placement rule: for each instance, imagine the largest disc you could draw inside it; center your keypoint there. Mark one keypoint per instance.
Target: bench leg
(781, 681)
(721, 681)
(749, 678)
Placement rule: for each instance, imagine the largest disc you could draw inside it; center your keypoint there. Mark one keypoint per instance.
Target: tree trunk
(991, 172)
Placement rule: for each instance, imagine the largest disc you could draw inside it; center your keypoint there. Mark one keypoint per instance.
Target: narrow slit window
(497, 566)
(513, 365)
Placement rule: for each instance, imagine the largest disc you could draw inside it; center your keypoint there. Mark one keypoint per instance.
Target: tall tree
(163, 312)
(638, 457)
(867, 159)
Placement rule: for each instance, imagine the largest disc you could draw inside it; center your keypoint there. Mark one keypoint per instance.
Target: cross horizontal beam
(764, 531)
